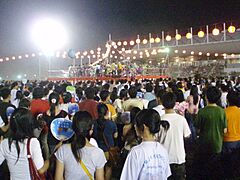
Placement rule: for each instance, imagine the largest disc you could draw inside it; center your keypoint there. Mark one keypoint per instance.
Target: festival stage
(104, 78)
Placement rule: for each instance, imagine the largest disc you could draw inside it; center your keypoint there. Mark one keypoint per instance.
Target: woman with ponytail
(149, 160)
(54, 112)
(80, 159)
(105, 130)
(14, 148)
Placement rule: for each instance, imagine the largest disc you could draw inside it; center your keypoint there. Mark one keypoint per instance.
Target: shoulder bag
(35, 175)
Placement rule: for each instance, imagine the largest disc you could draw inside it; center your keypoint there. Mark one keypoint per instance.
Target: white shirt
(92, 157)
(186, 94)
(224, 99)
(13, 95)
(174, 139)
(19, 170)
(160, 110)
(149, 160)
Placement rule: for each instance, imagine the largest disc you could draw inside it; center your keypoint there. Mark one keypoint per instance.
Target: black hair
(125, 87)
(123, 94)
(50, 85)
(14, 84)
(179, 85)
(113, 96)
(102, 110)
(132, 92)
(179, 95)
(104, 95)
(26, 93)
(79, 92)
(89, 92)
(67, 97)
(5, 92)
(194, 93)
(24, 103)
(106, 87)
(213, 94)
(169, 100)
(189, 85)
(149, 118)
(160, 93)
(233, 98)
(38, 93)
(81, 125)
(149, 87)
(53, 101)
(224, 88)
(45, 91)
(21, 127)
(19, 95)
(133, 113)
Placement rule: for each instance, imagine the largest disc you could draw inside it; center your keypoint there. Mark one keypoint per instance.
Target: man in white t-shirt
(174, 139)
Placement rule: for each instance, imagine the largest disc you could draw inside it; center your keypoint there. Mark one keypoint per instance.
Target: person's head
(50, 86)
(213, 94)
(82, 125)
(14, 85)
(194, 93)
(149, 87)
(224, 88)
(45, 91)
(5, 93)
(38, 93)
(53, 101)
(67, 97)
(26, 93)
(106, 87)
(102, 110)
(24, 103)
(104, 95)
(189, 85)
(113, 96)
(169, 100)
(79, 92)
(133, 113)
(233, 98)
(123, 94)
(19, 95)
(132, 92)
(148, 122)
(90, 93)
(179, 95)
(21, 127)
(179, 85)
(159, 95)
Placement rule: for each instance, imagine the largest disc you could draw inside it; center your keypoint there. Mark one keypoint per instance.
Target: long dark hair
(151, 119)
(102, 112)
(53, 101)
(21, 127)
(82, 124)
(194, 93)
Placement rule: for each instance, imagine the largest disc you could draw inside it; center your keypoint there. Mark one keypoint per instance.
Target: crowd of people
(175, 129)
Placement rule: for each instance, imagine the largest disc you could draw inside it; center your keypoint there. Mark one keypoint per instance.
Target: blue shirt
(149, 96)
(109, 130)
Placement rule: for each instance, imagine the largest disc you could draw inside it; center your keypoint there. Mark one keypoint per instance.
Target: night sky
(89, 22)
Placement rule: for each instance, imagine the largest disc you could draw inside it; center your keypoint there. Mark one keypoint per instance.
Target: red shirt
(39, 106)
(90, 106)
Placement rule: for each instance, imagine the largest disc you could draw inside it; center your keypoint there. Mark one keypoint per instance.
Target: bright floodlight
(49, 35)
